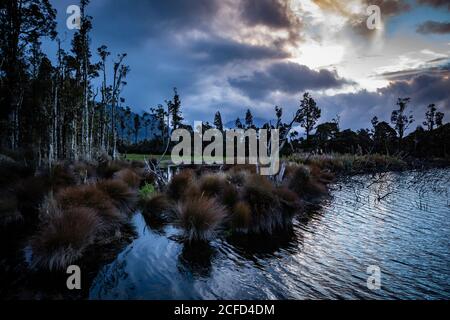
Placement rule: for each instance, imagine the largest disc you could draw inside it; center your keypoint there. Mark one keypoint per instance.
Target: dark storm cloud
(170, 44)
(271, 13)
(220, 51)
(430, 27)
(134, 22)
(436, 3)
(442, 70)
(423, 90)
(357, 109)
(286, 77)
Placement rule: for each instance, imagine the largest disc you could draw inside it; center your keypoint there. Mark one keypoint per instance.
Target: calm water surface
(398, 222)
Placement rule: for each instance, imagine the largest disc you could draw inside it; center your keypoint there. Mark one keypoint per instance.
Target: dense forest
(52, 109)
(429, 139)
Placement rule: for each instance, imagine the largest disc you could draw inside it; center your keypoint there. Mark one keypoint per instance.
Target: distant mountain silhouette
(143, 134)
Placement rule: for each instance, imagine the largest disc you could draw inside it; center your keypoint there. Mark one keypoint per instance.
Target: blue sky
(230, 55)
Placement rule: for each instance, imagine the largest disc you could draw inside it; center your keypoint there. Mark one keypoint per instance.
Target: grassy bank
(349, 164)
(65, 212)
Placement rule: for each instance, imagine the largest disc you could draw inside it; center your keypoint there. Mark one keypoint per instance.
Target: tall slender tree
(22, 24)
(120, 71)
(308, 114)
(433, 117)
(174, 107)
(105, 95)
(249, 119)
(238, 124)
(218, 121)
(137, 127)
(400, 119)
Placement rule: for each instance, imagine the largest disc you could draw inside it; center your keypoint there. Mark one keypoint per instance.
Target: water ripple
(326, 255)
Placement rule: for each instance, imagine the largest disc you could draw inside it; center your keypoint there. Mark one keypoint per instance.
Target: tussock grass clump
(120, 194)
(61, 176)
(241, 217)
(259, 194)
(299, 177)
(237, 177)
(89, 196)
(64, 237)
(129, 177)
(321, 175)
(200, 218)
(230, 196)
(106, 170)
(289, 201)
(180, 184)
(84, 171)
(212, 185)
(305, 185)
(158, 208)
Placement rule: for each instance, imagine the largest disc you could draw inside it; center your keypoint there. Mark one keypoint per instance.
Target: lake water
(399, 223)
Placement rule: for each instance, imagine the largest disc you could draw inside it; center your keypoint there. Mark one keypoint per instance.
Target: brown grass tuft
(129, 177)
(212, 185)
(305, 185)
(120, 194)
(237, 177)
(290, 202)
(241, 217)
(91, 197)
(299, 179)
(200, 218)
(230, 196)
(61, 176)
(259, 193)
(106, 170)
(179, 184)
(158, 207)
(84, 171)
(64, 238)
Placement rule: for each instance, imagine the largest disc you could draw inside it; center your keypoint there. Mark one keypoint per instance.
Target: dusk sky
(230, 55)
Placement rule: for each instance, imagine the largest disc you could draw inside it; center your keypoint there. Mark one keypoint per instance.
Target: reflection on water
(399, 222)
